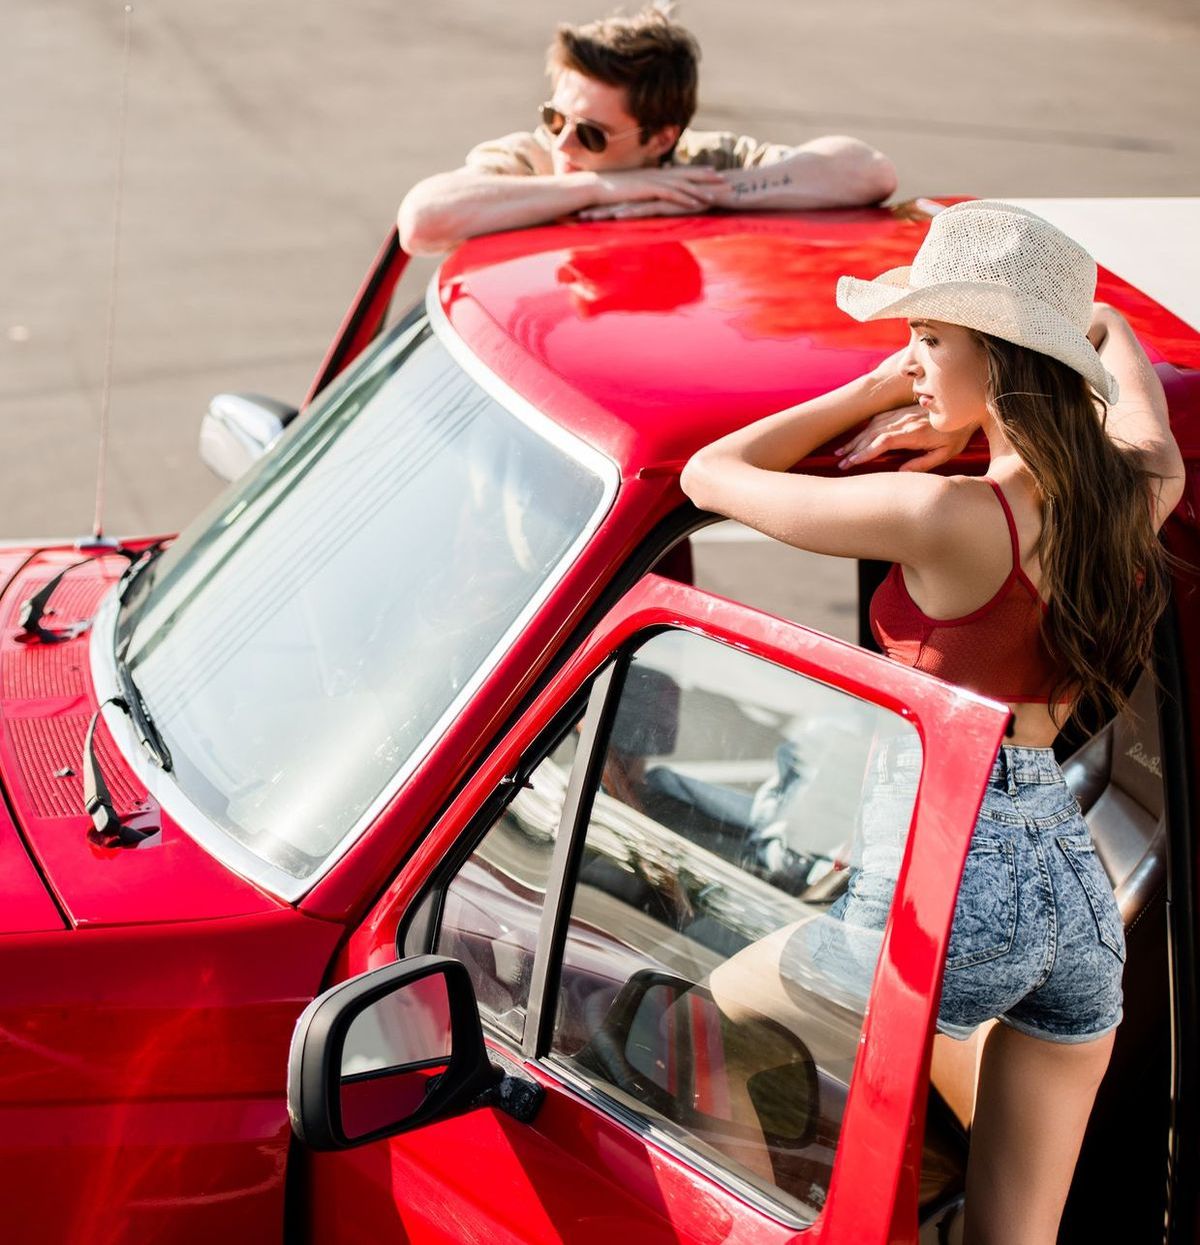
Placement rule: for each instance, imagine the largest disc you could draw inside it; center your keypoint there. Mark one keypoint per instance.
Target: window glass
(737, 871)
(492, 908)
(303, 645)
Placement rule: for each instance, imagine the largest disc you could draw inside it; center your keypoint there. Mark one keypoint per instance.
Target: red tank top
(996, 650)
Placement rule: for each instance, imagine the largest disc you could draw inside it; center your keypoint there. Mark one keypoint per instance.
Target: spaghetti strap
(1012, 526)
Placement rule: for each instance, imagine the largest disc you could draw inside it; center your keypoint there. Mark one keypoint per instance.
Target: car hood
(55, 873)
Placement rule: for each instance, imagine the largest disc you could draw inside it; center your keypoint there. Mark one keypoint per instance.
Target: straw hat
(1001, 270)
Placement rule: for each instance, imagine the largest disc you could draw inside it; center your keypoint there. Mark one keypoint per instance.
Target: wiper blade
(97, 799)
(142, 562)
(147, 732)
(33, 609)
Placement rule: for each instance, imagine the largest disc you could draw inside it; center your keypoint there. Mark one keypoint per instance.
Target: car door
(643, 882)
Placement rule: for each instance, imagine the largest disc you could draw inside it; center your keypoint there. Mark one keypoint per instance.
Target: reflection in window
(738, 866)
(493, 906)
(305, 643)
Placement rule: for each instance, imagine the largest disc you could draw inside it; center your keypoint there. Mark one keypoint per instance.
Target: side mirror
(390, 1050)
(385, 1052)
(238, 429)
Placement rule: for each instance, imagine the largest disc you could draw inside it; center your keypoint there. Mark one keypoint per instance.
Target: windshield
(305, 642)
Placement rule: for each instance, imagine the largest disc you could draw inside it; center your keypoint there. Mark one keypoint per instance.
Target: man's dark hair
(655, 60)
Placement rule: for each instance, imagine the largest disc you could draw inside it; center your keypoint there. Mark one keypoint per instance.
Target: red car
(431, 712)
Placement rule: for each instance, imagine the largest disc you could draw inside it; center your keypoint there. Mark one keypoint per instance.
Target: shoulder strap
(1012, 525)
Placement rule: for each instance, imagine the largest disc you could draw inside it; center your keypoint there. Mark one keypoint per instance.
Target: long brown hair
(1104, 572)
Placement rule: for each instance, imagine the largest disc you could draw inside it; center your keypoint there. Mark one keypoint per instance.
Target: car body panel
(142, 1077)
(760, 324)
(46, 702)
(26, 904)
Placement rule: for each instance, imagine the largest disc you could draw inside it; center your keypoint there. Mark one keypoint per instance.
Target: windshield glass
(305, 642)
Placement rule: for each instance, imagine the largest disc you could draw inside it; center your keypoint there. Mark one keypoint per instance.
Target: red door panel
(578, 1173)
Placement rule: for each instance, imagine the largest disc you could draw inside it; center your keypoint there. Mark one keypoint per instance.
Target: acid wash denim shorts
(1037, 940)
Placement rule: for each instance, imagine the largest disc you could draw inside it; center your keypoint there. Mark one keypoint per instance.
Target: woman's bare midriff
(1033, 724)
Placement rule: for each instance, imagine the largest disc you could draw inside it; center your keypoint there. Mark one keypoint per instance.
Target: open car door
(613, 996)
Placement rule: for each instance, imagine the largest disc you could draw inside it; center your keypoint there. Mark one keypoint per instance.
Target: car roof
(650, 338)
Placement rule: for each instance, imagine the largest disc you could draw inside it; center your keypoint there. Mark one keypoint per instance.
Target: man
(614, 143)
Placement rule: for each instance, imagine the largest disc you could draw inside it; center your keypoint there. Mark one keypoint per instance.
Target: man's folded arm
(439, 212)
(443, 210)
(828, 172)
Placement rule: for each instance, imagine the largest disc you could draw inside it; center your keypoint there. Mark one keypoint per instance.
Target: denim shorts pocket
(985, 917)
(1081, 852)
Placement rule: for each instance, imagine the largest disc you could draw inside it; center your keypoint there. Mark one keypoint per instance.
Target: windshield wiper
(142, 562)
(147, 732)
(97, 799)
(33, 609)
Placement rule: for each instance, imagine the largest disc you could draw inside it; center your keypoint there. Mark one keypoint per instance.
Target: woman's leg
(1030, 1115)
(954, 1072)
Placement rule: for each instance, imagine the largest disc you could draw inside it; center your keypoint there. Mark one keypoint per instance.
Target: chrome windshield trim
(569, 442)
(192, 820)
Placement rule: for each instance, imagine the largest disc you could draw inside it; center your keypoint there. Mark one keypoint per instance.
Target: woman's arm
(1139, 420)
(745, 476)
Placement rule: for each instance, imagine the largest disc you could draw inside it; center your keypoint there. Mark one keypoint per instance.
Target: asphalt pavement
(267, 145)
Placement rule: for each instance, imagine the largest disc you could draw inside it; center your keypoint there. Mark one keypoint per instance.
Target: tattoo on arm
(761, 184)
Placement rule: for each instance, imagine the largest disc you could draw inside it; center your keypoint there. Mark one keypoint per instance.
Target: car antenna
(98, 539)
(35, 607)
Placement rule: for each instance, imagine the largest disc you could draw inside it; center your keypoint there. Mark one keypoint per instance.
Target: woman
(1039, 584)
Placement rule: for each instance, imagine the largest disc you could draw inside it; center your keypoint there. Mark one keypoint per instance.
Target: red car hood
(52, 872)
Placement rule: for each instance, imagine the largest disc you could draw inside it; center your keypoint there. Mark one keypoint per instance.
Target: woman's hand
(907, 428)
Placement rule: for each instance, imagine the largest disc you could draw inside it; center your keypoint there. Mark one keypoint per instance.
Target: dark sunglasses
(590, 135)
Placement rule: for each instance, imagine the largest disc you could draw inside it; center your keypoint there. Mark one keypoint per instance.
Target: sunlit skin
(948, 369)
(949, 374)
(585, 99)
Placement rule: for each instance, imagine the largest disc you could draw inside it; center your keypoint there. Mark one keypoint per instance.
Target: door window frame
(960, 734)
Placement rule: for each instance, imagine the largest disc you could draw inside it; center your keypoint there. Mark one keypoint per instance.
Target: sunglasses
(590, 135)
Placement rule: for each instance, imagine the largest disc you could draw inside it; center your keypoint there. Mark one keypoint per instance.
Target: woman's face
(948, 367)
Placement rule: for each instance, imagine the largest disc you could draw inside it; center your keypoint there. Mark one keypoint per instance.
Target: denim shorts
(1037, 940)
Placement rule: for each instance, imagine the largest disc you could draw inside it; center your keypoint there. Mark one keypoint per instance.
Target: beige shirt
(525, 155)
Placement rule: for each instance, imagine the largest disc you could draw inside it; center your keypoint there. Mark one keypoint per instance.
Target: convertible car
(417, 848)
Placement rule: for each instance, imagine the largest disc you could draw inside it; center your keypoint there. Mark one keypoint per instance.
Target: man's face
(580, 98)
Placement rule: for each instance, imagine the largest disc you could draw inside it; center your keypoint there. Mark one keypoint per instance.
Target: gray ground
(269, 142)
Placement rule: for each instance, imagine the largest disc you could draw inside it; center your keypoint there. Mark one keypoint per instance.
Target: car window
(492, 906)
(715, 972)
(303, 645)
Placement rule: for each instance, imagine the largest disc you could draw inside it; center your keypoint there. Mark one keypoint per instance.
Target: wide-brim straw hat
(1001, 270)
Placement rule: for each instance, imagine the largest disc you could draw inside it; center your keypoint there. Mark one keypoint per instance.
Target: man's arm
(829, 172)
(443, 210)
(833, 171)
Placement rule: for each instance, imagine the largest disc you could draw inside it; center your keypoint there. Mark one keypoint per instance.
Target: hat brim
(986, 307)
